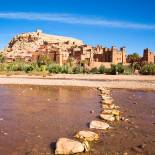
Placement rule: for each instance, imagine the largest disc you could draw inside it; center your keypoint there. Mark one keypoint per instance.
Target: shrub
(113, 69)
(94, 70)
(43, 60)
(120, 69)
(86, 70)
(36, 67)
(117, 69)
(3, 67)
(14, 66)
(128, 70)
(43, 68)
(27, 68)
(101, 69)
(71, 61)
(136, 66)
(54, 68)
(78, 69)
(108, 70)
(148, 69)
(66, 69)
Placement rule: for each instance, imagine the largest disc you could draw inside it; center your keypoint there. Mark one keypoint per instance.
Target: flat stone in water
(99, 125)
(107, 117)
(68, 146)
(87, 135)
(108, 106)
(111, 111)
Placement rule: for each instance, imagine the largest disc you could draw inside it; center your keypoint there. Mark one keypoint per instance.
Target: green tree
(134, 60)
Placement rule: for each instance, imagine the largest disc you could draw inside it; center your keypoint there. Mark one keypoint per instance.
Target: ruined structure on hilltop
(30, 46)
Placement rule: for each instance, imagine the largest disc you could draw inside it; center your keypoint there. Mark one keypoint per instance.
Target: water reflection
(35, 116)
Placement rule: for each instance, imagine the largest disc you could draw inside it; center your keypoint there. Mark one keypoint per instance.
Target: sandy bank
(110, 81)
(89, 77)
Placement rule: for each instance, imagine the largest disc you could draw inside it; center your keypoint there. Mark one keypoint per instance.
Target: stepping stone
(108, 106)
(107, 117)
(108, 111)
(86, 146)
(87, 135)
(108, 102)
(106, 98)
(99, 125)
(116, 112)
(111, 111)
(68, 146)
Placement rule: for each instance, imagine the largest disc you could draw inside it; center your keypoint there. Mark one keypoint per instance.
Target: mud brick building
(148, 56)
(30, 46)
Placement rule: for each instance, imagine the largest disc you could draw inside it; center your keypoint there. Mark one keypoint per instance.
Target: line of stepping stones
(110, 112)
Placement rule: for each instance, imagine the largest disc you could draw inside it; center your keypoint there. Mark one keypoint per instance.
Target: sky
(129, 23)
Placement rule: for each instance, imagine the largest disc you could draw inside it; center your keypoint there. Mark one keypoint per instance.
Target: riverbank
(136, 82)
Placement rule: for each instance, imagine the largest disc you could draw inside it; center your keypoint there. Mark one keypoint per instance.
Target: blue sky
(129, 23)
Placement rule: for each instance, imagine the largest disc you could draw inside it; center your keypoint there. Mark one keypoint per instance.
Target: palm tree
(134, 60)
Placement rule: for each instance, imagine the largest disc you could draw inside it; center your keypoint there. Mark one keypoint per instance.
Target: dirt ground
(88, 80)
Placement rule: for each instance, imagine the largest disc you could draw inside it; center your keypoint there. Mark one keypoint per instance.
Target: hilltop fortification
(30, 46)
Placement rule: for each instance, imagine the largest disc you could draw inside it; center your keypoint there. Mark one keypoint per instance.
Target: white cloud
(74, 19)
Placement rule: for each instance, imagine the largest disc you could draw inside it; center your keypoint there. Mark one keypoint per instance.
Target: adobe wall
(148, 56)
(118, 56)
(98, 64)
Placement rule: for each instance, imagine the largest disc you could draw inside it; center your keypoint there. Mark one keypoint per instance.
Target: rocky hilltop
(24, 45)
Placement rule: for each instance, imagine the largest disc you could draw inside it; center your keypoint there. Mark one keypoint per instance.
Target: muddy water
(33, 117)
(136, 136)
